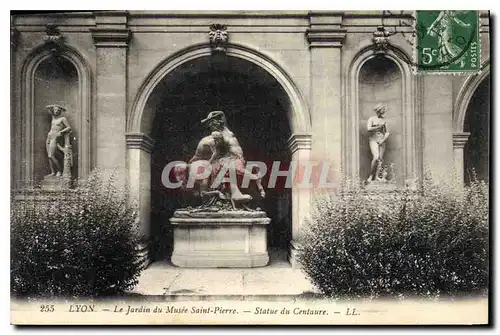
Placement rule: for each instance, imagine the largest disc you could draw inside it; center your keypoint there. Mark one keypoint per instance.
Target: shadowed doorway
(477, 122)
(257, 111)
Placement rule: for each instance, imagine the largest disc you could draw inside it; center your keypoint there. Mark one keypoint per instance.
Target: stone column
(325, 37)
(300, 147)
(111, 37)
(139, 147)
(459, 142)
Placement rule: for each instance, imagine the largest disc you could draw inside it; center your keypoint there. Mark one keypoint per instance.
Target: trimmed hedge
(84, 244)
(425, 243)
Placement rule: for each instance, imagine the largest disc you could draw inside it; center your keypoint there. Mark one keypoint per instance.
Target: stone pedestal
(381, 186)
(232, 239)
(53, 183)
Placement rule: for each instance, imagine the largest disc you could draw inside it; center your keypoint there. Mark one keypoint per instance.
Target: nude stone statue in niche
(59, 127)
(378, 134)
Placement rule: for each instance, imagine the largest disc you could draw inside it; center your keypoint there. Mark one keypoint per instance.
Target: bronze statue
(378, 134)
(221, 150)
(224, 151)
(59, 127)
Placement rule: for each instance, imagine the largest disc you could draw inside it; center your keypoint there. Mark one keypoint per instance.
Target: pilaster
(111, 37)
(139, 148)
(300, 146)
(459, 142)
(326, 37)
(140, 141)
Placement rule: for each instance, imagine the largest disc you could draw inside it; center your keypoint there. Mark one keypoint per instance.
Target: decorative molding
(53, 39)
(380, 40)
(319, 38)
(140, 141)
(325, 29)
(293, 254)
(111, 37)
(300, 141)
(460, 140)
(14, 37)
(218, 37)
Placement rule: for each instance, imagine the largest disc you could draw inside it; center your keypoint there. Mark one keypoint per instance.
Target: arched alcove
(55, 82)
(477, 124)
(471, 114)
(138, 120)
(380, 81)
(64, 78)
(465, 94)
(258, 113)
(386, 78)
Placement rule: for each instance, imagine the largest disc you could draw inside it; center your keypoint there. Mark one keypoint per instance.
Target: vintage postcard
(250, 167)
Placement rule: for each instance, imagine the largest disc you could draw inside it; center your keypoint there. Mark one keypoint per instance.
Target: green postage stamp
(448, 41)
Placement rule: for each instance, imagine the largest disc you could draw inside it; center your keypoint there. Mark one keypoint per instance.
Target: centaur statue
(222, 151)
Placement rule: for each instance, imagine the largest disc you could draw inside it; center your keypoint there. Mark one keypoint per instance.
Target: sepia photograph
(265, 167)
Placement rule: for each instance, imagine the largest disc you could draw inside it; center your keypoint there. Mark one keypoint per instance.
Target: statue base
(53, 183)
(221, 239)
(381, 186)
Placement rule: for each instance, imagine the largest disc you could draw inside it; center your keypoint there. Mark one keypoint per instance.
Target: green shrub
(426, 243)
(81, 244)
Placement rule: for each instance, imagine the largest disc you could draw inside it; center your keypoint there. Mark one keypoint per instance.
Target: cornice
(299, 141)
(325, 29)
(460, 139)
(325, 38)
(111, 37)
(140, 141)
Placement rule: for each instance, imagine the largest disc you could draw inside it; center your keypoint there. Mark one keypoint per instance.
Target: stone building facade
(296, 86)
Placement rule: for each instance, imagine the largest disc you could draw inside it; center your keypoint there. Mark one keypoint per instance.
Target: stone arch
(350, 120)
(465, 95)
(140, 144)
(300, 118)
(462, 101)
(25, 109)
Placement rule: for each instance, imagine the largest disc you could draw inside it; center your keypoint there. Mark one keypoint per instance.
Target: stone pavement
(276, 279)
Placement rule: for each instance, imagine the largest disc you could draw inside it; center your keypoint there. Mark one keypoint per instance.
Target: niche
(380, 81)
(55, 81)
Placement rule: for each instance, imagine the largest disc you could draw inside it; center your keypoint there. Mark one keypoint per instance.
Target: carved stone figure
(53, 38)
(60, 127)
(378, 134)
(218, 37)
(381, 40)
